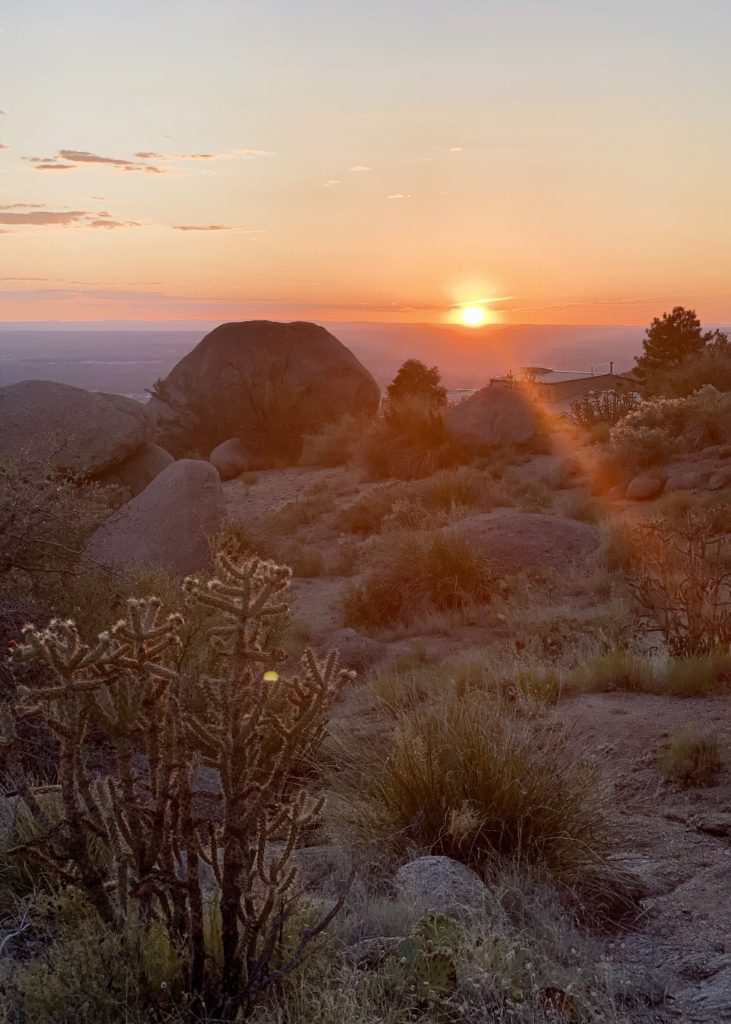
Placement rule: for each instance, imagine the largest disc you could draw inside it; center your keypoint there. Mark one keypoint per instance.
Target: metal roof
(559, 376)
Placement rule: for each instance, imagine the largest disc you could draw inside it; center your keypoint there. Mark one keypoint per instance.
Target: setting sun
(473, 316)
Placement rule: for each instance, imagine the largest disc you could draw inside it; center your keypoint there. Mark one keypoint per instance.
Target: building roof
(560, 376)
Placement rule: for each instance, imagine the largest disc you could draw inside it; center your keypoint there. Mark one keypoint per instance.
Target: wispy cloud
(399, 195)
(3, 112)
(23, 206)
(332, 181)
(201, 227)
(52, 165)
(108, 222)
(68, 159)
(45, 217)
(456, 149)
(359, 168)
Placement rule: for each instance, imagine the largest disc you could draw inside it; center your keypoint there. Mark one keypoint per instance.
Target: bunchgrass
(413, 572)
(692, 757)
(473, 780)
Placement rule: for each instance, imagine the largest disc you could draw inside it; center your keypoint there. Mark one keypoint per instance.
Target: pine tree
(415, 380)
(672, 338)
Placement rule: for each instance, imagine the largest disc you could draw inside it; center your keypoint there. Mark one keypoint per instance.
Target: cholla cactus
(253, 727)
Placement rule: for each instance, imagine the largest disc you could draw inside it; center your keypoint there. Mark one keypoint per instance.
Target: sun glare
(473, 316)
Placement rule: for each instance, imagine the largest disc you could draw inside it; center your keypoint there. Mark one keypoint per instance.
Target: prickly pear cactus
(424, 962)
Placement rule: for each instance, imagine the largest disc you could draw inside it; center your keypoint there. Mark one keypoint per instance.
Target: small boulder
(77, 431)
(443, 885)
(520, 540)
(719, 480)
(356, 651)
(139, 469)
(492, 416)
(232, 458)
(644, 488)
(167, 526)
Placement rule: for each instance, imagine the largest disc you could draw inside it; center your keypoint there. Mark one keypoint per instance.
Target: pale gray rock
(493, 415)
(168, 526)
(520, 540)
(232, 458)
(644, 488)
(139, 469)
(443, 885)
(76, 431)
(356, 651)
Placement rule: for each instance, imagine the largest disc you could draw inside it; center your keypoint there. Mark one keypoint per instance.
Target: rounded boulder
(168, 526)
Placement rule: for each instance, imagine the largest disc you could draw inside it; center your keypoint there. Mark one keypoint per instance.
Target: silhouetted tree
(415, 380)
(672, 338)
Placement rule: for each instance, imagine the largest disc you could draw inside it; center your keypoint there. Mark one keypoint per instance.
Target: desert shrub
(617, 670)
(698, 675)
(45, 520)
(541, 685)
(335, 444)
(412, 572)
(674, 505)
(606, 406)
(584, 507)
(307, 562)
(254, 730)
(531, 495)
(474, 781)
(309, 506)
(443, 494)
(691, 757)
(599, 433)
(666, 426)
(409, 441)
(682, 584)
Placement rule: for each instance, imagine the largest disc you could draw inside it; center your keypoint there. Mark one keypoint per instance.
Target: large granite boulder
(267, 383)
(644, 487)
(520, 540)
(168, 526)
(76, 431)
(494, 415)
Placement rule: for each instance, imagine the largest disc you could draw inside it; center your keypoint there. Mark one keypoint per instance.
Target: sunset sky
(566, 161)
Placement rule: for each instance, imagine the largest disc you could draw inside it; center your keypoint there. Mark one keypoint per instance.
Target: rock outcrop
(76, 431)
(493, 415)
(168, 526)
(267, 383)
(521, 540)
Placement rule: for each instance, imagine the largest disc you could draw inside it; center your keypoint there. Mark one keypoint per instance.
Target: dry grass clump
(335, 444)
(439, 497)
(617, 670)
(414, 680)
(409, 441)
(473, 780)
(692, 757)
(698, 676)
(412, 572)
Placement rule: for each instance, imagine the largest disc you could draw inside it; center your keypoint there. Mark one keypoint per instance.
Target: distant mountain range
(126, 358)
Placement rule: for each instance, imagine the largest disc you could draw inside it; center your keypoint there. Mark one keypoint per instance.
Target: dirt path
(685, 934)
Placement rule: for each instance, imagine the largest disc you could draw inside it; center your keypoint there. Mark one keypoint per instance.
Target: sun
(473, 316)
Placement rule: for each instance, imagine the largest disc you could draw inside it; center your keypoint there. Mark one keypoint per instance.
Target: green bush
(472, 780)
(414, 572)
(691, 757)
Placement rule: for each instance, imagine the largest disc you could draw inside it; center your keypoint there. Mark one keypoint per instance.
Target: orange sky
(559, 161)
